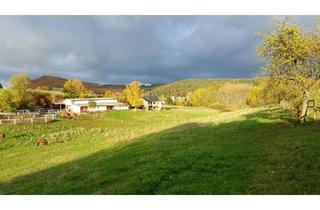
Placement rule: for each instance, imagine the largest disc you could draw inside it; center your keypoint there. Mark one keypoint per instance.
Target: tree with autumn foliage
(17, 96)
(133, 94)
(6, 101)
(74, 88)
(19, 85)
(292, 62)
(107, 93)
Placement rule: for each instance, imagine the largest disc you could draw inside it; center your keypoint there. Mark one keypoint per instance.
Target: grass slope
(183, 151)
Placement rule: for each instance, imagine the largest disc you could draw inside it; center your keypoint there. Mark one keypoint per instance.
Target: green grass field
(177, 151)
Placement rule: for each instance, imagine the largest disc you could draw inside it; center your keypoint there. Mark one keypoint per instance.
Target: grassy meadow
(177, 151)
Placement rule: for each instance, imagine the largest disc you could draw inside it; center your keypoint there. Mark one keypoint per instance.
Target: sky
(119, 49)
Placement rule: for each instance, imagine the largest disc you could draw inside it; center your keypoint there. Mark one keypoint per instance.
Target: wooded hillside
(183, 87)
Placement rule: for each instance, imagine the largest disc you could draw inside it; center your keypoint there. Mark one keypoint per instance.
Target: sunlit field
(176, 151)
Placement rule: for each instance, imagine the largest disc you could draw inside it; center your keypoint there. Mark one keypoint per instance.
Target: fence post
(31, 120)
(0, 121)
(14, 121)
(45, 119)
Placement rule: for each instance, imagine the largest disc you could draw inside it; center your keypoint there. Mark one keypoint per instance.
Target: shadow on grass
(274, 113)
(240, 157)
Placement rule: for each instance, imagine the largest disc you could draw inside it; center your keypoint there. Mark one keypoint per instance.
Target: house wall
(145, 104)
(73, 108)
(86, 101)
(155, 105)
(121, 107)
(75, 105)
(97, 109)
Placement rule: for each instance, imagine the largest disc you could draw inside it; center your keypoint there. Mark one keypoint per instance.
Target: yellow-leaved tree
(107, 93)
(6, 101)
(197, 95)
(74, 88)
(19, 85)
(133, 94)
(260, 94)
(292, 62)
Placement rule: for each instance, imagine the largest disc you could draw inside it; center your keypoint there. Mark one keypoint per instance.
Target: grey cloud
(118, 49)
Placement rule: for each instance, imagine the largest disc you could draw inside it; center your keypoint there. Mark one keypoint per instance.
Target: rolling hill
(52, 82)
(56, 83)
(183, 87)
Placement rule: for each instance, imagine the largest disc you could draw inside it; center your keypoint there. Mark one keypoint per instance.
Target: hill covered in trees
(51, 82)
(183, 87)
(56, 83)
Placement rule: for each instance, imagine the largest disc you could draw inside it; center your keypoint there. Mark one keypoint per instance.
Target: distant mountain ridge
(56, 83)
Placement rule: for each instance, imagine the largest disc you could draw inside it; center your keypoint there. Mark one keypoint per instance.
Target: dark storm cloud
(118, 49)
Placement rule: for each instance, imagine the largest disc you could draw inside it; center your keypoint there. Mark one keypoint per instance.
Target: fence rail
(32, 120)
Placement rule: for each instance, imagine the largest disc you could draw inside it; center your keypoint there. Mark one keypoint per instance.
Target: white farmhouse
(80, 105)
(152, 103)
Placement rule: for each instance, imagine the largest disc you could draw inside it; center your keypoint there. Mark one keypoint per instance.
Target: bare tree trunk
(304, 106)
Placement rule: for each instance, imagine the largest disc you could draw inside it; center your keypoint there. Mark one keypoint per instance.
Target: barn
(81, 105)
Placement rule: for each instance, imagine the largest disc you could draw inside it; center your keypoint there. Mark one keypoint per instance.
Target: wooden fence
(32, 120)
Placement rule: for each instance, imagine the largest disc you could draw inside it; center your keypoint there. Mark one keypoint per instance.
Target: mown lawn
(179, 151)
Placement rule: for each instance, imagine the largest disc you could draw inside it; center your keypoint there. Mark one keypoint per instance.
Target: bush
(67, 115)
(260, 94)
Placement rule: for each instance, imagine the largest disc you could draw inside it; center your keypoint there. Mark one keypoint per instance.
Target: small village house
(152, 103)
(81, 105)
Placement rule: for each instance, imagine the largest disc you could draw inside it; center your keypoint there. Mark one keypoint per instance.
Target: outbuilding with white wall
(81, 105)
